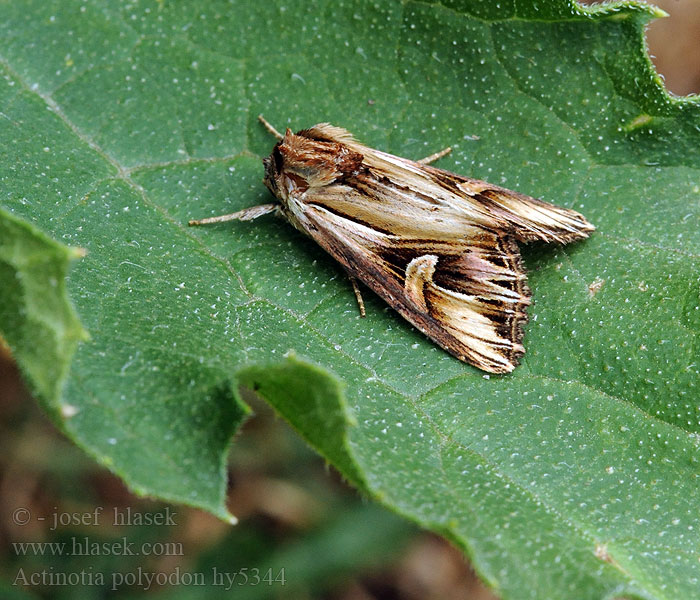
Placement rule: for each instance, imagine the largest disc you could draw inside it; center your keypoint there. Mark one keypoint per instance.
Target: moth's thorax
(301, 162)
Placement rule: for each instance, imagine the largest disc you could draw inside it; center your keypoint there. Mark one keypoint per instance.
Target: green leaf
(36, 318)
(576, 476)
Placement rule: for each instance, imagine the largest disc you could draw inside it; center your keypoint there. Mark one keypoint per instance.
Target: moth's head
(302, 161)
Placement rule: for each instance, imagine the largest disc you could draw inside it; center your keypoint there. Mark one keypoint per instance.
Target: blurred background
(303, 533)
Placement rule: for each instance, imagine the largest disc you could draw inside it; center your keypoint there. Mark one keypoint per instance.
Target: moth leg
(358, 295)
(270, 128)
(433, 157)
(247, 214)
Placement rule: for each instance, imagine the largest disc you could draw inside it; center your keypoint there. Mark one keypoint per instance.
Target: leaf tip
(658, 13)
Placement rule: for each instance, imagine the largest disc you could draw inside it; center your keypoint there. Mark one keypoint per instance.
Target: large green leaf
(576, 476)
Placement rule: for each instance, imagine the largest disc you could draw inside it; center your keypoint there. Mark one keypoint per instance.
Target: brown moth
(439, 248)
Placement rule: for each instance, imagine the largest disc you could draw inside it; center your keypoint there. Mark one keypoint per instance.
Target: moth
(439, 248)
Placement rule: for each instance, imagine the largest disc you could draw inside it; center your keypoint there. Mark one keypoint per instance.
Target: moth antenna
(270, 128)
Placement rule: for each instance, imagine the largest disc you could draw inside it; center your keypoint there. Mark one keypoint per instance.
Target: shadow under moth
(439, 248)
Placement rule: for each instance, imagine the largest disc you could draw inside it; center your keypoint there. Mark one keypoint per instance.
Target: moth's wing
(469, 297)
(525, 218)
